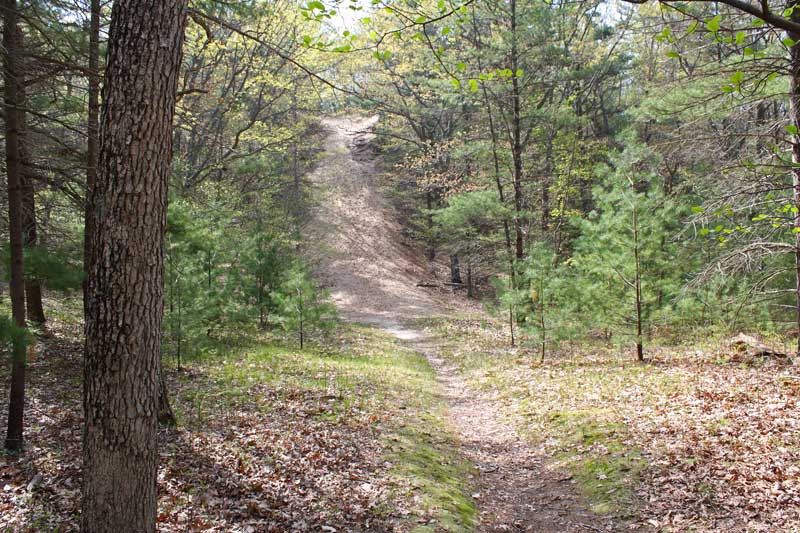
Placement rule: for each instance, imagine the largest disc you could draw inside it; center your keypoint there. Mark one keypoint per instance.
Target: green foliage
(57, 268)
(223, 274)
(546, 298)
(469, 223)
(632, 215)
(11, 334)
(301, 307)
(263, 267)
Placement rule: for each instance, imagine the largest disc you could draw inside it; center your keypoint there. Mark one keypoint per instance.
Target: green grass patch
(426, 462)
(595, 451)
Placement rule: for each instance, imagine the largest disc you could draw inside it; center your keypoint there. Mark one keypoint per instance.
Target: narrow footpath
(372, 275)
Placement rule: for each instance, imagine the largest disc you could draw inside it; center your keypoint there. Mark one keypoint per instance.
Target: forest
(400, 265)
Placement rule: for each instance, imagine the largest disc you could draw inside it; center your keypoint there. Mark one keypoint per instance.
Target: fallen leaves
(296, 454)
(718, 430)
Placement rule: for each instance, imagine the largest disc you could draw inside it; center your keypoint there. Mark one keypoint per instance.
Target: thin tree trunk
(297, 188)
(30, 238)
(93, 139)
(11, 46)
(455, 269)
(429, 219)
(469, 280)
(33, 288)
(542, 323)
(179, 351)
(794, 115)
(637, 281)
(511, 324)
(302, 329)
(516, 138)
(125, 289)
(501, 196)
(498, 182)
(546, 180)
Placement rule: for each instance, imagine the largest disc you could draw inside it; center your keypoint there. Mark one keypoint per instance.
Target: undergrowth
(346, 434)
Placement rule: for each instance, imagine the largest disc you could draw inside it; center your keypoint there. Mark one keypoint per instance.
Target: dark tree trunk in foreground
(126, 266)
(11, 46)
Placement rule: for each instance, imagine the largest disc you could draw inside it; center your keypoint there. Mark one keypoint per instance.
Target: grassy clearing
(698, 437)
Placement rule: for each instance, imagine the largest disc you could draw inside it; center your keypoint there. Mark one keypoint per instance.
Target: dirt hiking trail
(372, 274)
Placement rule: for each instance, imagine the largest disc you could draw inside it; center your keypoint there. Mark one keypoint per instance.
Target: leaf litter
(248, 456)
(715, 431)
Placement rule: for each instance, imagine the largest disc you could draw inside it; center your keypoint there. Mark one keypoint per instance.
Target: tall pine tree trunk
(125, 293)
(30, 236)
(11, 47)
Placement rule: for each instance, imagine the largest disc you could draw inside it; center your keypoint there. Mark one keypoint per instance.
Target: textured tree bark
(11, 46)
(126, 266)
(165, 415)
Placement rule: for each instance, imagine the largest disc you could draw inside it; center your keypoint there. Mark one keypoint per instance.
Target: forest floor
(348, 436)
(703, 436)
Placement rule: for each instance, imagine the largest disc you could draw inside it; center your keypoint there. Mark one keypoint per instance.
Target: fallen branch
(755, 347)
